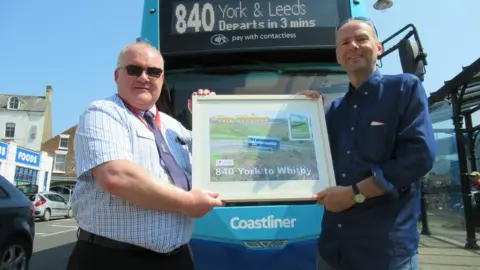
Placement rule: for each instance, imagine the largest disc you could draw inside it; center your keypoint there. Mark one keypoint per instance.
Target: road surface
(54, 242)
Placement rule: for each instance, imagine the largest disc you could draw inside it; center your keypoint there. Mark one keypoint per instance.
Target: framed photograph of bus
(259, 148)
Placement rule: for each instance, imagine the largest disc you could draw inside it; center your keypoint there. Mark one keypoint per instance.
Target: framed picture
(259, 148)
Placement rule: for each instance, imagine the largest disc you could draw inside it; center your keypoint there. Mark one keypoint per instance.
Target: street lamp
(383, 4)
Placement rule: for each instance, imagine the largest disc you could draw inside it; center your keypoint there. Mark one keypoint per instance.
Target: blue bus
(263, 143)
(255, 47)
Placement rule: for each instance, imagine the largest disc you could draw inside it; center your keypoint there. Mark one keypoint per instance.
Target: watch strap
(356, 190)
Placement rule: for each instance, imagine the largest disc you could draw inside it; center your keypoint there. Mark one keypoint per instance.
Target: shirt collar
(369, 84)
(153, 110)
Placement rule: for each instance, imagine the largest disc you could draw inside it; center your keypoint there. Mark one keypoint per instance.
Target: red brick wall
(52, 145)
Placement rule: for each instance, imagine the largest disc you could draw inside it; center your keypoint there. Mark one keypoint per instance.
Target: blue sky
(73, 45)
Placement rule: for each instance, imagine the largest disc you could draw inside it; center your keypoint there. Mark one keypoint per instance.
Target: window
(3, 194)
(60, 161)
(25, 176)
(13, 103)
(63, 143)
(331, 84)
(10, 130)
(59, 198)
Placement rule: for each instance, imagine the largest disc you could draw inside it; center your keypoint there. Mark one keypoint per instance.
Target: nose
(353, 46)
(143, 77)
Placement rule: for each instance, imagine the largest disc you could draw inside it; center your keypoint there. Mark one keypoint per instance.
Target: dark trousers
(91, 256)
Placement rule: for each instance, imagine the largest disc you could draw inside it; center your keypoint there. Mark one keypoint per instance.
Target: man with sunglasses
(382, 143)
(133, 200)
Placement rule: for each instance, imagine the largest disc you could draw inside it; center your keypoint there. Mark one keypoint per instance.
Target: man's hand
(311, 94)
(201, 202)
(336, 199)
(202, 92)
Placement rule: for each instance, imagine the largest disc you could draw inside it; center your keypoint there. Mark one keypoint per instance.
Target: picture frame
(260, 148)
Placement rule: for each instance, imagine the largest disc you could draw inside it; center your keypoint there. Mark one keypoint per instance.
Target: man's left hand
(336, 199)
(201, 92)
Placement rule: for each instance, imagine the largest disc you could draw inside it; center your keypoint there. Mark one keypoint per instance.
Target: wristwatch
(358, 197)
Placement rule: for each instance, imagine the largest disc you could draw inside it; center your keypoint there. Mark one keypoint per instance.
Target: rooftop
(27, 103)
(466, 86)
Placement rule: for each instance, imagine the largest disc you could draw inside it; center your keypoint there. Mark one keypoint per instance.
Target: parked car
(65, 191)
(17, 227)
(50, 204)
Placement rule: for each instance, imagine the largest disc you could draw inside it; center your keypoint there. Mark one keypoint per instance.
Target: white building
(24, 166)
(26, 120)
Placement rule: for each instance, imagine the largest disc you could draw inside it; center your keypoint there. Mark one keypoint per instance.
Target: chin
(144, 99)
(357, 67)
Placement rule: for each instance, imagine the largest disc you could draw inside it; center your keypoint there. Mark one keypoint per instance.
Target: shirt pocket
(144, 134)
(186, 157)
(146, 145)
(373, 139)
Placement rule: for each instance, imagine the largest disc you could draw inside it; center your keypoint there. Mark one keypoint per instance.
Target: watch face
(359, 198)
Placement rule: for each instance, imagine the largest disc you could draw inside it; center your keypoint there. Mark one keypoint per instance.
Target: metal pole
(423, 205)
(471, 142)
(471, 241)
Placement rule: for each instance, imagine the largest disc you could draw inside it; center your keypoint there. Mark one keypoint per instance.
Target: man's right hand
(201, 203)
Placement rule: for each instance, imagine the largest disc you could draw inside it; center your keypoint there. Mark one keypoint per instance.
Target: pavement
(449, 225)
(55, 239)
(440, 253)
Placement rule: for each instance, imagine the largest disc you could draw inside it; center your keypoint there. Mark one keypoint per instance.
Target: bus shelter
(450, 199)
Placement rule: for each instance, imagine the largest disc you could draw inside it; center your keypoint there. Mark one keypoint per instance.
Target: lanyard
(130, 108)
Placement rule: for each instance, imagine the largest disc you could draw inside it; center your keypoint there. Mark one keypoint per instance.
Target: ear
(379, 48)
(337, 56)
(115, 75)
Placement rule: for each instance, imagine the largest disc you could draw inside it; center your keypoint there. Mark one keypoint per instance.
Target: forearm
(369, 189)
(132, 183)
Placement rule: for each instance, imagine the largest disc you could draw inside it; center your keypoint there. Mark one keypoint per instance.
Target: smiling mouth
(355, 57)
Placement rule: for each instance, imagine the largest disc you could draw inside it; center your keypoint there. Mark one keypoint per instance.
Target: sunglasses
(137, 71)
(362, 19)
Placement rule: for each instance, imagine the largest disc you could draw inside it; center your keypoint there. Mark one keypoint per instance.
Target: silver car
(50, 204)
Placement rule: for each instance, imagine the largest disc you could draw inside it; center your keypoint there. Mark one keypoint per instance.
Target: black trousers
(90, 256)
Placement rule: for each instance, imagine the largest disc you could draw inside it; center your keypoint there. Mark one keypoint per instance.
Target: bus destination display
(235, 25)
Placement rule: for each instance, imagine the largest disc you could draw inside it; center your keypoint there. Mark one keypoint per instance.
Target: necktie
(176, 172)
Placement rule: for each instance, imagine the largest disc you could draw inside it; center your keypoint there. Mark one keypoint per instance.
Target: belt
(110, 243)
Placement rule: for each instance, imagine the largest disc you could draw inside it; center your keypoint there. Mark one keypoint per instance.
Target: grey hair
(368, 22)
(137, 43)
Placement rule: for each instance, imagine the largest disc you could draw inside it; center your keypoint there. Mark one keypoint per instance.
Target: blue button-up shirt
(381, 129)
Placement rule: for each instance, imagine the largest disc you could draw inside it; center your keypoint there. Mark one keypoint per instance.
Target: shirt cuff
(383, 183)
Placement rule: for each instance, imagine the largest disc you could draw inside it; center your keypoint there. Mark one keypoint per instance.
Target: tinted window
(59, 198)
(3, 193)
(182, 85)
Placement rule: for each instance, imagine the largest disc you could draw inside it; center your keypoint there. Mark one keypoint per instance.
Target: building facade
(26, 120)
(60, 148)
(24, 166)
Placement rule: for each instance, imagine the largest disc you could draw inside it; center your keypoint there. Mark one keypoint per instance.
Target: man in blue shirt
(382, 143)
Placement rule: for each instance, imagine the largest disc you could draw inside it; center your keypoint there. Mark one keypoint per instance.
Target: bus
(263, 143)
(256, 47)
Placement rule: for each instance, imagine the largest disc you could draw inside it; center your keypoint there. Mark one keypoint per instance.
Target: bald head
(369, 24)
(134, 47)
